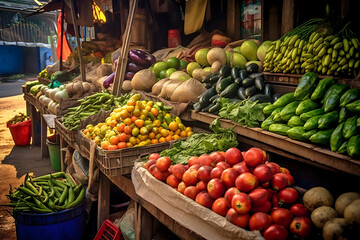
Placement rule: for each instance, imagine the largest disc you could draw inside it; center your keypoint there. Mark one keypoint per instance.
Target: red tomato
(216, 188)
(299, 210)
(154, 156)
(220, 206)
(301, 226)
(282, 216)
(233, 156)
(217, 156)
(241, 220)
(163, 163)
(275, 232)
(288, 195)
(259, 221)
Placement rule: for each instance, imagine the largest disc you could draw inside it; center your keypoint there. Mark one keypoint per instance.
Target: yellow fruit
(188, 129)
(164, 132)
(137, 112)
(173, 126)
(176, 137)
(130, 108)
(181, 126)
(157, 123)
(144, 131)
(132, 140)
(135, 131)
(143, 137)
(189, 134)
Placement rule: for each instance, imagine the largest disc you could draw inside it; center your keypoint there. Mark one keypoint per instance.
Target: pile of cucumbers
(318, 111)
(236, 84)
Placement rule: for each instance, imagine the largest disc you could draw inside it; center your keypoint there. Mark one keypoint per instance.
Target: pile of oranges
(138, 123)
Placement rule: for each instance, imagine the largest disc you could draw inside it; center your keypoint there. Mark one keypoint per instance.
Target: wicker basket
(120, 162)
(69, 136)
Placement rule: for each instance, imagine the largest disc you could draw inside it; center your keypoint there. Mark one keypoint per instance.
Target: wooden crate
(70, 136)
(44, 81)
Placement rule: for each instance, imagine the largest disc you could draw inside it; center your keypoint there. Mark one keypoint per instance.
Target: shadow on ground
(28, 159)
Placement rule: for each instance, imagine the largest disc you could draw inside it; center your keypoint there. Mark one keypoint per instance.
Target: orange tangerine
(164, 132)
(131, 102)
(177, 132)
(127, 121)
(133, 118)
(129, 144)
(148, 108)
(127, 129)
(154, 141)
(137, 141)
(113, 123)
(120, 127)
(157, 123)
(154, 112)
(176, 137)
(169, 138)
(144, 131)
(123, 137)
(105, 145)
(190, 133)
(152, 135)
(173, 126)
(183, 134)
(114, 140)
(162, 139)
(112, 147)
(122, 145)
(139, 123)
(171, 133)
(85, 131)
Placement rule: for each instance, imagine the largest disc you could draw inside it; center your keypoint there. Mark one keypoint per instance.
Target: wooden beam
(78, 43)
(122, 60)
(231, 19)
(103, 199)
(287, 16)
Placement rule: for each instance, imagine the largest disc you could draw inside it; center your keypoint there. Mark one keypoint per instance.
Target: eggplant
(133, 67)
(141, 57)
(109, 80)
(129, 75)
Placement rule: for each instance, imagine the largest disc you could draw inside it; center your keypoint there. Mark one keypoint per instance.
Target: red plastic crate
(108, 231)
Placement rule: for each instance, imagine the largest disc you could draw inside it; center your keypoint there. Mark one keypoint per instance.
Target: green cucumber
(353, 146)
(306, 86)
(205, 97)
(321, 88)
(350, 127)
(336, 138)
(296, 133)
(328, 119)
(224, 71)
(279, 128)
(267, 122)
(312, 123)
(332, 101)
(197, 106)
(269, 109)
(343, 115)
(229, 91)
(206, 109)
(222, 83)
(306, 116)
(295, 121)
(277, 118)
(352, 106)
(306, 106)
(322, 137)
(276, 111)
(284, 100)
(349, 96)
(343, 148)
(289, 110)
(308, 134)
(276, 96)
(215, 108)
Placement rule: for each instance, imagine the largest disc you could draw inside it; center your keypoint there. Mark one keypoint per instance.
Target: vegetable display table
(286, 146)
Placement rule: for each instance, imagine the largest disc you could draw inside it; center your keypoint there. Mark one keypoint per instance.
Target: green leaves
(243, 113)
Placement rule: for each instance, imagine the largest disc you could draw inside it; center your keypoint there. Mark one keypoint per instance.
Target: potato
(316, 197)
(352, 212)
(344, 200)
(335, 228)
(321, 215)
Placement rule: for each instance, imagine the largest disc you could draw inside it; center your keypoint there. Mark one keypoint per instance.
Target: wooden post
(44, 148)
(82, 65)
(61, 35)
(103, 199)
(122, 60)
(287, 16)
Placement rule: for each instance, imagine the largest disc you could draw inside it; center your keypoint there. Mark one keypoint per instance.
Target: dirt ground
(9, 107)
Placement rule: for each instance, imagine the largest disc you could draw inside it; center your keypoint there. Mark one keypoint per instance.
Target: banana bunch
(326, 55)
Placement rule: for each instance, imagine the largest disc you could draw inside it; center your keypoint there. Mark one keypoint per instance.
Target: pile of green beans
(46, 194)
(91, 105)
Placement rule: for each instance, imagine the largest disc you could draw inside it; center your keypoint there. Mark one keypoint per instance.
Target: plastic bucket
(20, 132)
(173, 38)
(55, 157)
(67, 224)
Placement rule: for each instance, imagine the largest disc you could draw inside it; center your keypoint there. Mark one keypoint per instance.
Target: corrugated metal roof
(21, 5)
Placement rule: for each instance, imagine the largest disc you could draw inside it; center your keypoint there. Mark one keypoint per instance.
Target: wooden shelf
(307, 151)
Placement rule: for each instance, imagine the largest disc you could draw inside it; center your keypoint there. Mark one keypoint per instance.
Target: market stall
(283, 113)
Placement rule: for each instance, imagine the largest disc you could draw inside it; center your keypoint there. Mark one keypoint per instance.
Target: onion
(47, 92)
(46, 101)
(61, 87)
(43, 89)
(41, 98)
(61, 95)
(53, 92)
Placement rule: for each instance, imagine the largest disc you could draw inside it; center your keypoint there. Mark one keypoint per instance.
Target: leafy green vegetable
(243, 113)
(201, 143)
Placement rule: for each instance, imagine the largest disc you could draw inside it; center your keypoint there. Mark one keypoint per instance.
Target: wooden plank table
(288, 147)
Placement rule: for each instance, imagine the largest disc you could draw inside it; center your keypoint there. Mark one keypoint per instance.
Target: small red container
(21, 132)
(108, 231)
(173, 38)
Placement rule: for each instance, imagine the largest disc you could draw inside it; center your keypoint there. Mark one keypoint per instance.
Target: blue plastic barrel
(67, 224)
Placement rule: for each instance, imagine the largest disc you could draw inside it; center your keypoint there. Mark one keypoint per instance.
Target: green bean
(78, 200)
(31, 187)
(50, 204)
(71, 196)
(63, 195)
(57, 193)
(40, 191)
(59, 183)
(69, 180)
(52, 192)
(46, 197)
(27, 191)
(39, 204)
(47, 176)
(22, 209)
